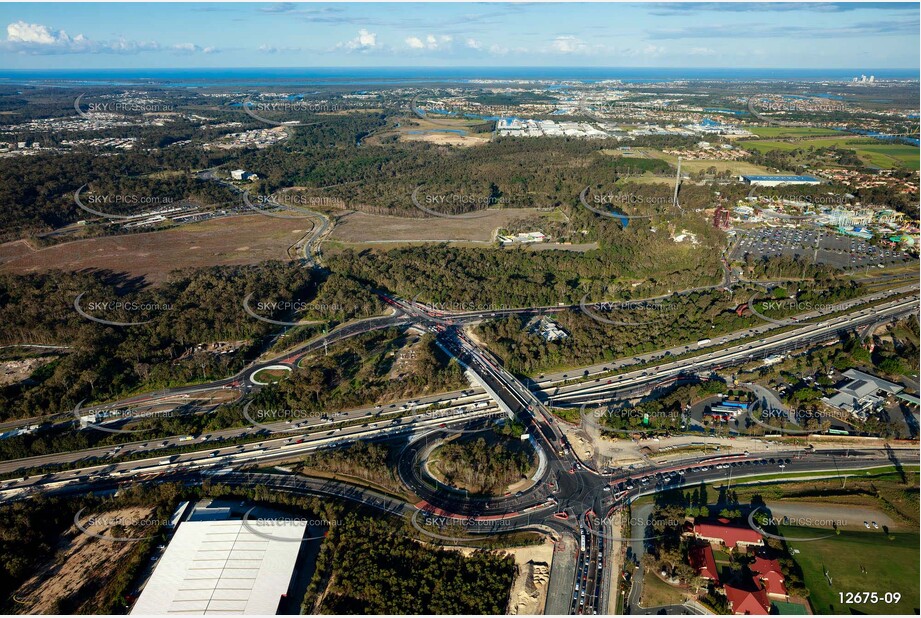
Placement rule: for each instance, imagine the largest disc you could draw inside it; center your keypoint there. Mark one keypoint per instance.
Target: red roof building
(746, 602)
(769, 576)
(701, 558)
(729, 536)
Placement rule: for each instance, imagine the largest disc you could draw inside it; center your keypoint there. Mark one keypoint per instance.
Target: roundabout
(455, 501)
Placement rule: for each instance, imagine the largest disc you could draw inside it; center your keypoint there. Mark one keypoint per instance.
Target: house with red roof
(730, 537)
(768, 576)
(747, 602)
(700, 557)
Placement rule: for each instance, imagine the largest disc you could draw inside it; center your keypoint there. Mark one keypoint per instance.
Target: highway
(566, 497)
(599, 391)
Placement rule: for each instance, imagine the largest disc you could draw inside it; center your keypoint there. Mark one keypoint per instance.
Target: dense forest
(196, 306)
(678, 319)
(380, 569)
(370, 461)
(516, 278)
(358, 371)
(665, 412)
(482, 465)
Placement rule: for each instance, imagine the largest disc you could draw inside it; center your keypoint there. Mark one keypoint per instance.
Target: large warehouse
(773, 181)
(216, 565)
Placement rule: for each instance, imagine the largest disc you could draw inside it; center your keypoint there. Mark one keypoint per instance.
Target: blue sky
(743, 35)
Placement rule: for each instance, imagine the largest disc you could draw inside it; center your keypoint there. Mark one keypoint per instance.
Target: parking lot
(818, 246)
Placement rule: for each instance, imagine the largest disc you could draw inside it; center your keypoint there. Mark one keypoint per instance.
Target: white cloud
(192, 48)
(701, 51)
(473, 43)
(363, 42)
(21, 32)
(26, 38)
(567, 45)
(430, 42)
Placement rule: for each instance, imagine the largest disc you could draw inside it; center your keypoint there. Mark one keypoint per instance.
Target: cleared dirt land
(83, 564)
(529, 590)
(245, 239)
(361, 228)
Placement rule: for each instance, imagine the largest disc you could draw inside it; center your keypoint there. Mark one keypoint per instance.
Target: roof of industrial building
(782, 178)
(223, 567)
(868, 381)
(753, 602)
(729, 535)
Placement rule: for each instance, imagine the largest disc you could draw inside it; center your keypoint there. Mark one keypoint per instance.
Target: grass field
(362, 228)
(891, 566)
(734, 167)
(792, 131)
(657, 593)
(871, 151)
(245, 239)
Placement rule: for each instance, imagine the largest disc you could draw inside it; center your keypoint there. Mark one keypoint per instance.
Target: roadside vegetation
(482, 465)
(377, 568)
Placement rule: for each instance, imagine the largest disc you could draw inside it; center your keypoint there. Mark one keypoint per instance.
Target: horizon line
(477, 67)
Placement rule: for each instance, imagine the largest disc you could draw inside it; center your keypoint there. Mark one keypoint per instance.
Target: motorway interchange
(568, 498)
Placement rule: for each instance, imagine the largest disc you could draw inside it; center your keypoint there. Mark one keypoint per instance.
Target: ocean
(371, 76)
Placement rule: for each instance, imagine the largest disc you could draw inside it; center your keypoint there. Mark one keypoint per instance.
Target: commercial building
(747, 602)
(550, 330)
(731, 537)
(773, 181)
(243, 175)
(701, 559)
(769, 577)
(862, 393)
(218, 565)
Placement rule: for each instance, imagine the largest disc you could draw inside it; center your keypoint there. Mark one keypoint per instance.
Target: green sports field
(792, 131)
(891, 566)
(871, 151)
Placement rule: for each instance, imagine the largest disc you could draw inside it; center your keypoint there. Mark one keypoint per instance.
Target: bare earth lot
(359, 227)
(529, 590)
(245, 239)
(83, 563)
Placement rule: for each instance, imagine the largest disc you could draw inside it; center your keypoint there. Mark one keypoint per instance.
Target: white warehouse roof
(223, 567)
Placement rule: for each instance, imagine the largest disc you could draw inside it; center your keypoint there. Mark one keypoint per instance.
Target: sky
(694, 35)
